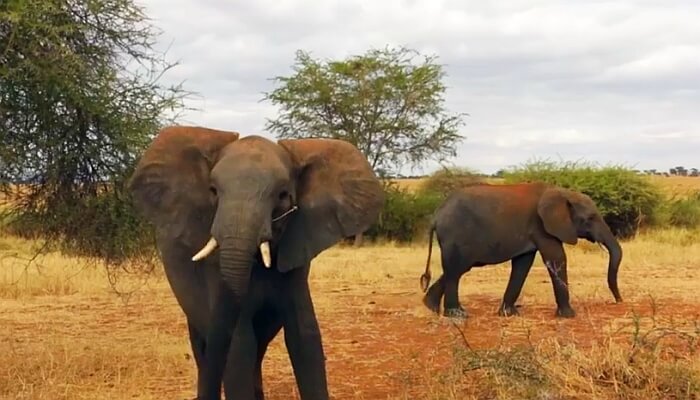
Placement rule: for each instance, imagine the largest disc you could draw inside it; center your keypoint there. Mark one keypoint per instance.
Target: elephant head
(569, 215)
(254, 200)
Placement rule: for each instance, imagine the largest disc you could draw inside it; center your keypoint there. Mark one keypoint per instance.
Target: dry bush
(651, 361)
(446, 181)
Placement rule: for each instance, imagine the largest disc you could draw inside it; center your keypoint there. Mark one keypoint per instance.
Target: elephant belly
(498, 253)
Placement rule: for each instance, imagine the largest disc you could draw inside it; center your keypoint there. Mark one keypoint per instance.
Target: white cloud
(665, 63)
(610, 81)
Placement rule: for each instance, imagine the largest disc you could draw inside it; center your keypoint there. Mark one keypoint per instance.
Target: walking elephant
(238, 222)
(490, 224)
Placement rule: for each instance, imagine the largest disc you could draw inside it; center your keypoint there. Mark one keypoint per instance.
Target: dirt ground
(80, 340)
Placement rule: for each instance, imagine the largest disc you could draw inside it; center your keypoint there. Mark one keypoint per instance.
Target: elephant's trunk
(236, 258)
(615, 251)
(238, 236)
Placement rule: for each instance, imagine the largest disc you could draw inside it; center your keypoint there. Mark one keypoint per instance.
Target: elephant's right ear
(170, 185)
(338, 195)
(553, 208)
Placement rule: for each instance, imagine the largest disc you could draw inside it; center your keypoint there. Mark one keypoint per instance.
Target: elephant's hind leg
(520, 267)
(453, 308)
(434, 295)
(454, 265)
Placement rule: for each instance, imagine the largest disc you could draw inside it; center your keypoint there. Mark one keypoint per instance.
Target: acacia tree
(79, 99)
(388, 102)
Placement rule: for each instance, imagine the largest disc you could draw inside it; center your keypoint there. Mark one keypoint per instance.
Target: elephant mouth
(212, 244)
(264, 247)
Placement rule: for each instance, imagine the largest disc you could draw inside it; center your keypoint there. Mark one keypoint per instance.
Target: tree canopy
(80, 97)
(388, 102)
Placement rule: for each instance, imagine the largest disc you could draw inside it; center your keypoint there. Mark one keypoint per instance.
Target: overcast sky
(606, 81)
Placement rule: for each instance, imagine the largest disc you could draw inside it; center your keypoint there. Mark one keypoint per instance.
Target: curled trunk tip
(615, 254)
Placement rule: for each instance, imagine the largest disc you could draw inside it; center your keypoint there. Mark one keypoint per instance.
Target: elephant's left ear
(554, 209)
(338, 196)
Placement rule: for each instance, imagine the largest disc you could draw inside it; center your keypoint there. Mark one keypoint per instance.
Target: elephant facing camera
(238, 221)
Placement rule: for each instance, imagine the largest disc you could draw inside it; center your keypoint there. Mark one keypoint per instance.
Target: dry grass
(66, 334)
(414, 184)
(680, 185)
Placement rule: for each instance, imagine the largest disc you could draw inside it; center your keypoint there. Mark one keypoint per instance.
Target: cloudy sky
(605, 81)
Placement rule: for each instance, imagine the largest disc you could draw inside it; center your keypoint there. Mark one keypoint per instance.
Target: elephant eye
(212, 189)
(283, 195)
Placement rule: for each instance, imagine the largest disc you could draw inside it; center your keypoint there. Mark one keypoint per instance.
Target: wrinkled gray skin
(491, 224)
(196, 183)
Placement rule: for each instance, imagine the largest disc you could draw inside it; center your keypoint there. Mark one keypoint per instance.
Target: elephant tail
(425, 278)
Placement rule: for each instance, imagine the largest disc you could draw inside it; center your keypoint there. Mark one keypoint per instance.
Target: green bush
(405, 214)
(625, 199)
(445, 181)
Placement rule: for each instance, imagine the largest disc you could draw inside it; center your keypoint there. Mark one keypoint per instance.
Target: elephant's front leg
(198, 343)
(302, 337)
(223, 321)
(554, 259)
(520, 267)
(243, 376)
(267, 324)
(239, 379)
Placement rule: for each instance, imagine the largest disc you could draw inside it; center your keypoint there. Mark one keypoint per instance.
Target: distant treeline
(675, 171)
(627, 200)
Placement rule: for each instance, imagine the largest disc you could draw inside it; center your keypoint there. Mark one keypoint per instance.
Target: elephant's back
(463, 212)
(476, 201)
(486, 207)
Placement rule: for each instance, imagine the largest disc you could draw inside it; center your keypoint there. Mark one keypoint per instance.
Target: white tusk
(206, 250)
(265, 252)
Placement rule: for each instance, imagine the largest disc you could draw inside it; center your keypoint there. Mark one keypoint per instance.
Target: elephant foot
(432, 305)
(508, 311)
(565, 312)
(456, 313)
(206, 398)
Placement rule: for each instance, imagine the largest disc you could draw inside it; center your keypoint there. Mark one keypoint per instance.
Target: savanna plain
(70, 330)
